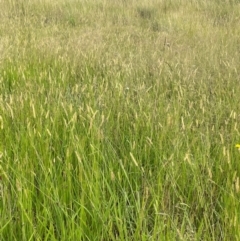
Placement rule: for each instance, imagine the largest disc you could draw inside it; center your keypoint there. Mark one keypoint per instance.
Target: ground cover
(119, 119)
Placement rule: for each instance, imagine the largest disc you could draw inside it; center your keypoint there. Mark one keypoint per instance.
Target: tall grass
(119, 119)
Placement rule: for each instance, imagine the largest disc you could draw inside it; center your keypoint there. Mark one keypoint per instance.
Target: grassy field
(119, 120)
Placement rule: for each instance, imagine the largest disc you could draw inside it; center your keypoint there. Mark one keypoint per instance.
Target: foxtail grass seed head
(1, 122)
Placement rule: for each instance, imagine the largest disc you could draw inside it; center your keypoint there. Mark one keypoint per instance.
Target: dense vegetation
(119, 119)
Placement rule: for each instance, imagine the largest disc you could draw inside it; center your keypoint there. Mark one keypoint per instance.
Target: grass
(119, 119)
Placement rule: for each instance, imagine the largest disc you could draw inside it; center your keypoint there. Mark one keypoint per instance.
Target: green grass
(119, 119)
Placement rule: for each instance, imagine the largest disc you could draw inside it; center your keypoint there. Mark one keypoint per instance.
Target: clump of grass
(145, 13)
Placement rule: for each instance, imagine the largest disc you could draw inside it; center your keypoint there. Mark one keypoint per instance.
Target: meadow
(119, 120)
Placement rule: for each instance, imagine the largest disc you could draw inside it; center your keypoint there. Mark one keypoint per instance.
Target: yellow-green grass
(119, 120)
